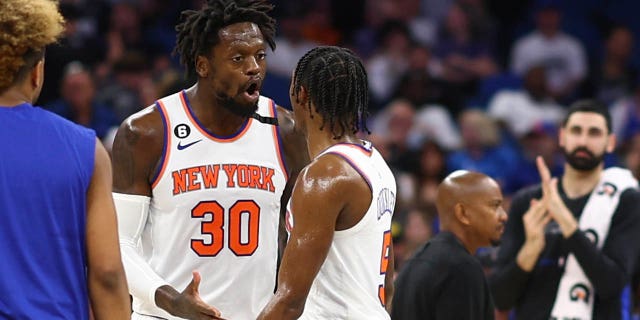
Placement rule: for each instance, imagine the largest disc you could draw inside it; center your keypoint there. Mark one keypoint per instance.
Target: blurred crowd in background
(455, 84)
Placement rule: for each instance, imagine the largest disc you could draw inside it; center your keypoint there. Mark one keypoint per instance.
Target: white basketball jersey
(350, 283)
(215, 209)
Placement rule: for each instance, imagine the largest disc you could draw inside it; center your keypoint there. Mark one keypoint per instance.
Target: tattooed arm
(137, 150)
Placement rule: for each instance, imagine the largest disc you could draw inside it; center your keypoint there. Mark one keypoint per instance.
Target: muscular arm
(508, 281)
(609, 269)
(296, 157)
(137, 149)
(106, 278)
(319, 197)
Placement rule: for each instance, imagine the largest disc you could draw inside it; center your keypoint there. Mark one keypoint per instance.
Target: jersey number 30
(215, 228)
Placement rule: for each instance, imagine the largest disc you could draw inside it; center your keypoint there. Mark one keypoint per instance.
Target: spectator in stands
(418, 83)
(520, 110)
(79, 42)
(389, 63)
(625, 115)
(465, 57)
(395, 122)
(126, 88)
(615, 77)
(561, 54)
(540, 140)
(78, 101)
(483, 150)
(417, 229)
(430, 172)
(291, 45)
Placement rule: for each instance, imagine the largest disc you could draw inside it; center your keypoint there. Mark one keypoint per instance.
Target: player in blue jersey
(58, 236)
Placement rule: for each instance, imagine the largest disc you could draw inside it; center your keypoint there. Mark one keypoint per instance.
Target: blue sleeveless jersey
(46, 164)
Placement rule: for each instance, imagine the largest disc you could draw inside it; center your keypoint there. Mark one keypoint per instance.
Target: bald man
(443, 280)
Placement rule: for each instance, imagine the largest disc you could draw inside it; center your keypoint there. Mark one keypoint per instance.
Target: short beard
(242, 110)
(580, 163)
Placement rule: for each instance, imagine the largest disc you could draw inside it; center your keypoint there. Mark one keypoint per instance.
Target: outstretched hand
(189, 305)
(553, 202)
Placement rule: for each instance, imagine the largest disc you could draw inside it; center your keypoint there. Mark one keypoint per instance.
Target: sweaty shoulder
(331, 171)
(137, 149)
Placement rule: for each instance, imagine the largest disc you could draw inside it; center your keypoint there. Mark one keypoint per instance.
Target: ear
(36, 76)
(202, 66)
(302, 97)
(461, 214)
(561, 136)
(611, 142)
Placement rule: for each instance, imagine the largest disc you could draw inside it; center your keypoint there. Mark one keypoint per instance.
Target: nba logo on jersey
(386, 202)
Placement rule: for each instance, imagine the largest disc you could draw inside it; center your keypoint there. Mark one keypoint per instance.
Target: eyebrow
(577, 126)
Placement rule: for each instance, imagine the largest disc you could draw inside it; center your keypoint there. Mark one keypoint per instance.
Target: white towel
(575, 296)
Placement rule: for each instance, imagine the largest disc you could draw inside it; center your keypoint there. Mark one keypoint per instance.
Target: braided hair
(336, 82)
(198, 31)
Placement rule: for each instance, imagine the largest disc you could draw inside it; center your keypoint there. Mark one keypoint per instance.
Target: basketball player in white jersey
(338, 263)
(200, 175)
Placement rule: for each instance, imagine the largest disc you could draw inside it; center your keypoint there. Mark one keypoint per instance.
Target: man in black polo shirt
(443, 280)
(568, 249)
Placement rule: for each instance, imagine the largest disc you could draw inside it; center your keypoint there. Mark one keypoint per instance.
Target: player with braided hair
(338, 263)
(200, 176)
(343, 105)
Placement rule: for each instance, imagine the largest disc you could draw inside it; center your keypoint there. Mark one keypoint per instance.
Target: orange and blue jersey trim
(277, 139)
(366, 149)
(224, 139)
(354, 166)
(166, 150)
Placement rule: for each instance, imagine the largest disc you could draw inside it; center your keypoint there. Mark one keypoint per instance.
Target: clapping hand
(553, 202)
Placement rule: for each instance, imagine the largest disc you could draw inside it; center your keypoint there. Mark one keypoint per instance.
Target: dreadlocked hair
(198, 30)
(336, 82)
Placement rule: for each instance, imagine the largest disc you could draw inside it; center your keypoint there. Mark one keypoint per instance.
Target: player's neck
(13, 97)
(320, 140)
(577, 183)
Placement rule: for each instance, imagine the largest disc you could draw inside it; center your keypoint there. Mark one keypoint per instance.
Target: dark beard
(580, 163)
(242, 110)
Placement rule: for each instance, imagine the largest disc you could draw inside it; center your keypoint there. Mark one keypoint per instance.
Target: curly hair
(26, 28)
(337, 85)
(198, 31)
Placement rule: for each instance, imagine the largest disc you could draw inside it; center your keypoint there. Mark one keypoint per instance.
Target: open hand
(553, 202)
(189, 305)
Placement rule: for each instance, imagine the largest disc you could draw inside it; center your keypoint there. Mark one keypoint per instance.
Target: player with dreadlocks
(199, 177)
(338, 263)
